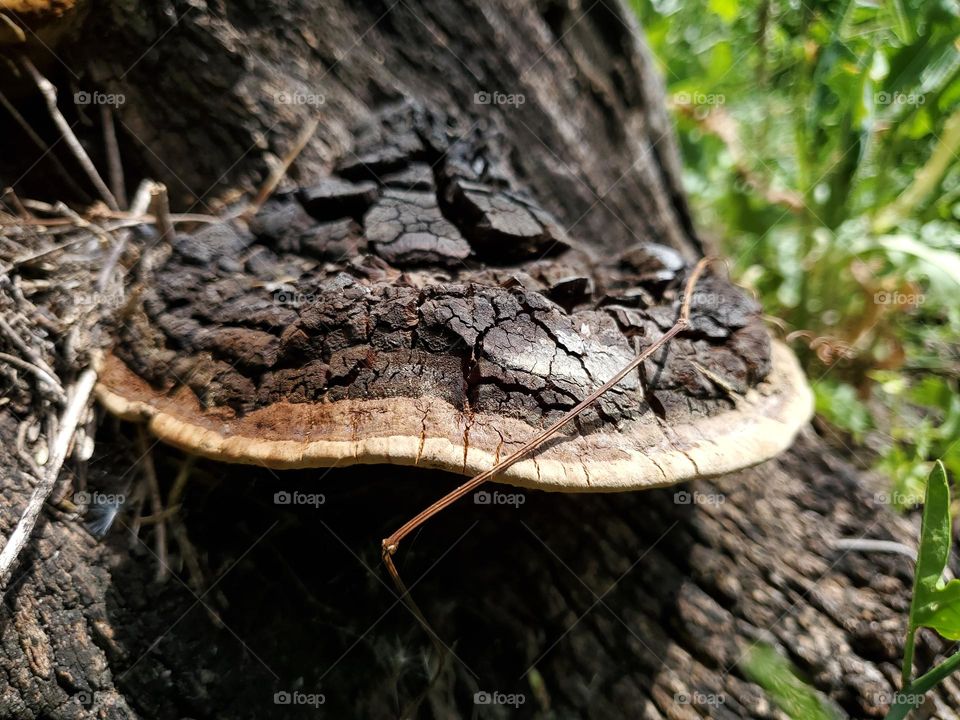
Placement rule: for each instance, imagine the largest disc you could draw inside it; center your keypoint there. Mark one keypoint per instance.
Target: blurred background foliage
(821, 151)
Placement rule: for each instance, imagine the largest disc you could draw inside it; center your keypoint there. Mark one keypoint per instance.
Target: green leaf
(942, 612)
(934, 549)
(775, 674)
(901, 25)
(839, 404)
(935, 605)
(911, 697)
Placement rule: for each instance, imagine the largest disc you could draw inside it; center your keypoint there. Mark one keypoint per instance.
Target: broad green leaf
(934, 604)
(942, 611)
(934, 551)
(721, 60)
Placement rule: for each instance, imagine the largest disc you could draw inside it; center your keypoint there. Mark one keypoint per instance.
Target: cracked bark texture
(619, 603)
(470, 293)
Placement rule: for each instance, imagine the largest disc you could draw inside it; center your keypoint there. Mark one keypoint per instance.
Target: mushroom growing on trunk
(415, 257)
(420, 308)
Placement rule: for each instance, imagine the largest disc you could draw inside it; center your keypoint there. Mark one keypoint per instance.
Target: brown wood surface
(601, 606)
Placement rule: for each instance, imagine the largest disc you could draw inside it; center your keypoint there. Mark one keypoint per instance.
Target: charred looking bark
(454, 284)
(593, 606)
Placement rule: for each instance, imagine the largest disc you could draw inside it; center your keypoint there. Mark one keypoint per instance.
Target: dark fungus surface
(421, 267)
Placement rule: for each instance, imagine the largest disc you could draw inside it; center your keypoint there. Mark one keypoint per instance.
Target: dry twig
(49, 92)
(156, 504)
(80, 396)
(390, 544)
(277, 175)
(79, 335)
(46, 378)
(114, 163)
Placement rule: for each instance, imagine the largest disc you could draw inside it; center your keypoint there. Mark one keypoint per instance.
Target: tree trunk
(628, 605)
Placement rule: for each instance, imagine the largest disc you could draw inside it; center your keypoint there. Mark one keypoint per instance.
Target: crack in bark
(239, 331)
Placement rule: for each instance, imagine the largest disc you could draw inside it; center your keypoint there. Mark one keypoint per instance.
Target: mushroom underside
(430, 432)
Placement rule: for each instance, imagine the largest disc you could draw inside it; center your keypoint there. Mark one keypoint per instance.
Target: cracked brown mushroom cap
(424, 312)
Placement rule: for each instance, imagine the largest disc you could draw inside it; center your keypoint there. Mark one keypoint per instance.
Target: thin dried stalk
(49, 92)
(156, 504)
(80, 396)
(114, 162)
(390, 544)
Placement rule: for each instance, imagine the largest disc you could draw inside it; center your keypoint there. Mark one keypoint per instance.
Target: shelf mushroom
(428, 313)
(453, 373)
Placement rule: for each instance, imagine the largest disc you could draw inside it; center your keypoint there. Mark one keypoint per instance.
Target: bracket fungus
(419, 308)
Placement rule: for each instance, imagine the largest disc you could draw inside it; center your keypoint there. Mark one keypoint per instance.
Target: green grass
(821, 147)
(935, 605)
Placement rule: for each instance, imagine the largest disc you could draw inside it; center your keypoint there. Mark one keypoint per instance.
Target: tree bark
(627, 605)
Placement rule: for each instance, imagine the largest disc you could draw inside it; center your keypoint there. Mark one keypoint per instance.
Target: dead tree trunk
(628, 605)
